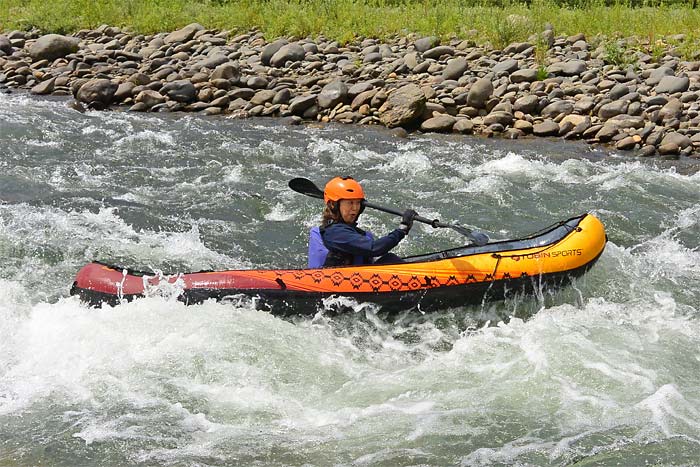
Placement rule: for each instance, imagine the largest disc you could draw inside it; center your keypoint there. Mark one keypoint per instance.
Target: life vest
(318, 251)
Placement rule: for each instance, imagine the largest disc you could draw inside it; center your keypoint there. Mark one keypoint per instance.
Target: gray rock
(211, 62)
(527, 75)
(464, 126)
(503, 118)
(271, 49)
(672, 84)
(242, 93)
(257, 82)
(546, 128)
(45, 87)
(455, 68)
(672, 110)
(426, 43)
(263, 96)
(585, 105)
(624, 121)
(669, 149)
(181, 90)
(282, 96)
(362, 98)
(479, 93)
(647, 151)
(97, 93)
(656, 75)
(288, 53)
(225, 71)
(439, 51)
(516, 48)
(5, 44)
(150, 98)
(53, 46)
(607, 132)
(657, 100)
(556, 108)
(618, 91)
(124, 91)
(439, 123)
(300, 104)
(526, 104)
(570, 68)
(358, 88)
(411, 60)
(332, 94)
(506, 66)
(626, 144)
(613, 108)
(372, 58)
(680, 140)
(403, 106)
(184, 34)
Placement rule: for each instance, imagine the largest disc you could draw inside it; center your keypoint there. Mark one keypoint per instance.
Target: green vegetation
(496, 21)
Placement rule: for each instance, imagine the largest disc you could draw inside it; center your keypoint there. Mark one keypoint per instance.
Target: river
(603, 372)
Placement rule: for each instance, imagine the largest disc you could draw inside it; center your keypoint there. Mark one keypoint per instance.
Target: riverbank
(630, 94)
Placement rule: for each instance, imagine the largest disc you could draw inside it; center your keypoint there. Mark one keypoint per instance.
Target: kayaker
(339, 242)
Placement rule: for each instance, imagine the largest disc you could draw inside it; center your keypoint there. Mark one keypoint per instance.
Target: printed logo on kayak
(550, 254)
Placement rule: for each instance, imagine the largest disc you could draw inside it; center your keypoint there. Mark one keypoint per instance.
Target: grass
(498, 22)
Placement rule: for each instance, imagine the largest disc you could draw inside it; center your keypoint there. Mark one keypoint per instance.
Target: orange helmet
(342, 188)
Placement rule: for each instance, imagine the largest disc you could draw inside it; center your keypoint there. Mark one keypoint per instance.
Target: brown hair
(331, 214)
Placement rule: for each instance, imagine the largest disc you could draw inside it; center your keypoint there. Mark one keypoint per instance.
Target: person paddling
(339, 242)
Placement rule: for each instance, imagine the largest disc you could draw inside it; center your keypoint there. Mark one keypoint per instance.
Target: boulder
(455, 68)
(680, 140)
(181, 90)
(611, 109)
(53, 46)
(45, 87)
(184, 34)
(211, 62)
(506, 66)
(271, 49)
(439, 51)
(426, 43)
(403, 106)
(97, 93)
(288, 53)
(439, 123)
(503, 118)
(526, 104)
(464, 126)
(546, 128)
(225, 71)
(570, 68)
(300, 104)
(479, 93)
(527, 75)
(332, 94)
(672, 84)
(657, 74)
(262, 97)
(557, 107)
(150, 98)
(5, 44)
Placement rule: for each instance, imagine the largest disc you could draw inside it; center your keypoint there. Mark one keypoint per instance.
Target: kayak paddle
(308, 188)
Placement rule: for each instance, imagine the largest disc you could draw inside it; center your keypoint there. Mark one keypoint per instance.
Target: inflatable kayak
(455, 277)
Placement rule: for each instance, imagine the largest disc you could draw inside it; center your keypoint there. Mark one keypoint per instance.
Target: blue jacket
(347, 244)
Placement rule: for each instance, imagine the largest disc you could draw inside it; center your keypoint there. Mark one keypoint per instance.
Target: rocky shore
(553, 86)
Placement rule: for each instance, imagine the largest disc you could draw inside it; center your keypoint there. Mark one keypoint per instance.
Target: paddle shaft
(308, 188)
(425, 220)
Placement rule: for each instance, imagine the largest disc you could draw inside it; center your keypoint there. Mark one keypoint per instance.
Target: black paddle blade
(305, 187)
(477, 238)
